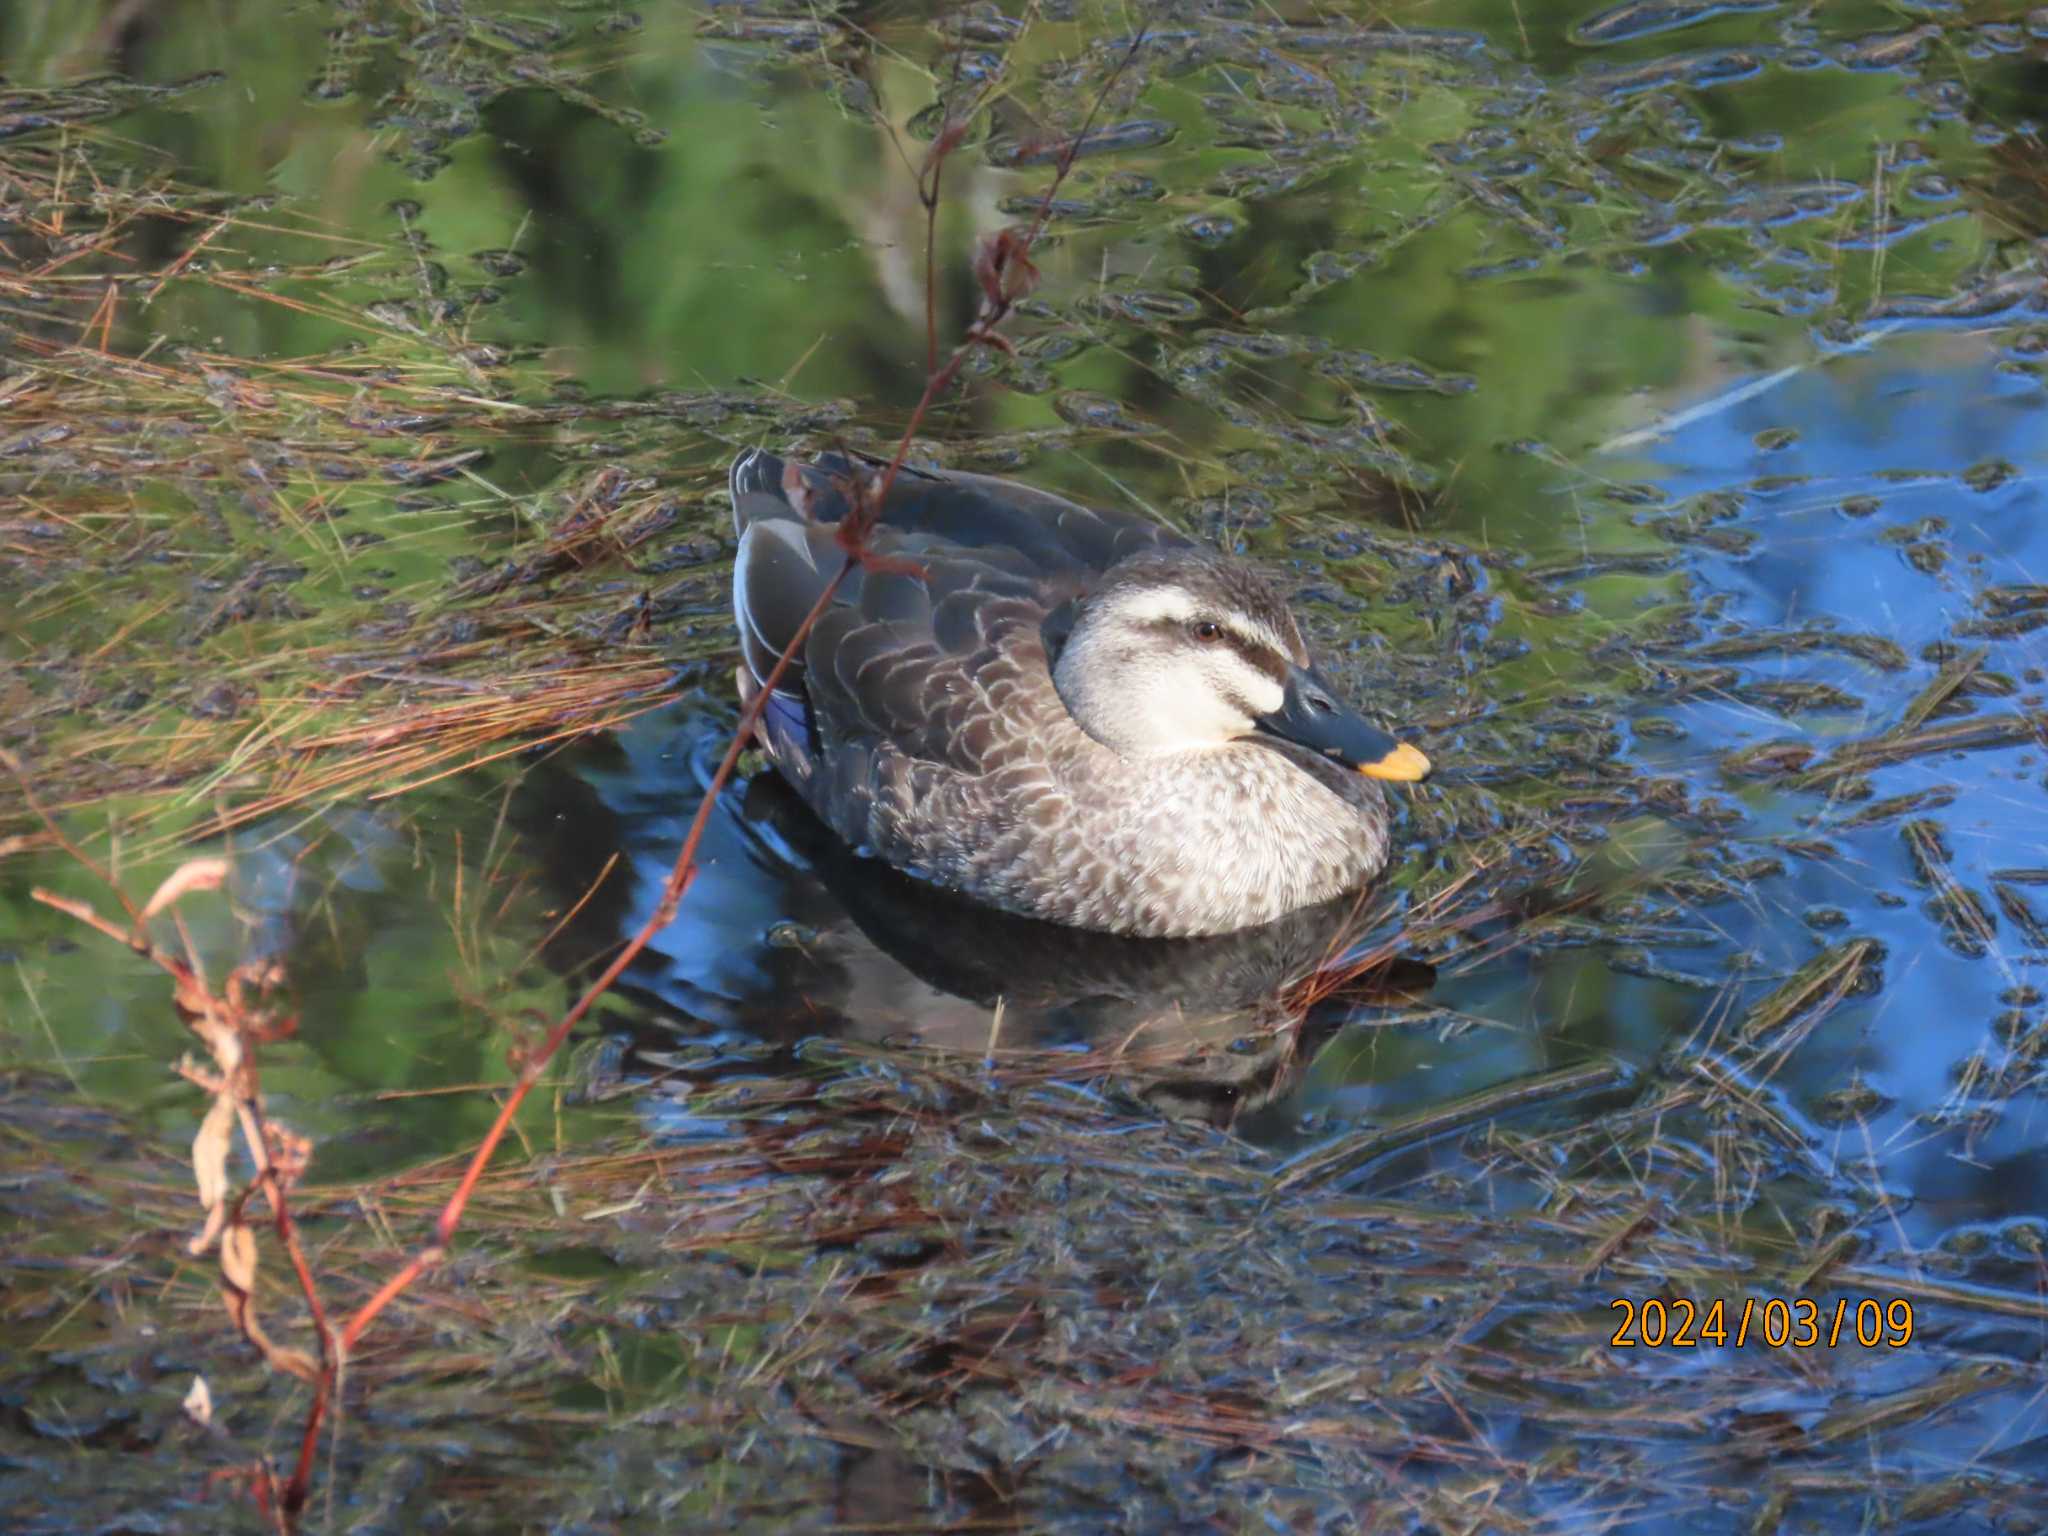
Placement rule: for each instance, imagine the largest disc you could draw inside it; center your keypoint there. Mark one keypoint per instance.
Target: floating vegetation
(1141, 133)
(1646, 18)
(1641, 405)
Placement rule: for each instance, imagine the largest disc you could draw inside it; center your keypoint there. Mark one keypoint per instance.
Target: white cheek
(1181, 709)
(1230, 677)
(1192, 694)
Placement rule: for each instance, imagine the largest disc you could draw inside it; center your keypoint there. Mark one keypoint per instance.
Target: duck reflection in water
(1201, 1027)
(788, 934)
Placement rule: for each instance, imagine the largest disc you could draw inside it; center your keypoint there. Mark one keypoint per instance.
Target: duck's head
(1177, 651)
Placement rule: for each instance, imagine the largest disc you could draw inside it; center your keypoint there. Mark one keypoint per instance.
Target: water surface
(1643, 406)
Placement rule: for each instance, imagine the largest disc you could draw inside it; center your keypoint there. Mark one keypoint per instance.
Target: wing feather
(926, 678)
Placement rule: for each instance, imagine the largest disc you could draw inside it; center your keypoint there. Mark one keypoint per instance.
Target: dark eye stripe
(1256, 653)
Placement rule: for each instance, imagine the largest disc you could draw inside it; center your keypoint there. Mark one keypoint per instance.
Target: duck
(1206, 1029)
(1065, 712)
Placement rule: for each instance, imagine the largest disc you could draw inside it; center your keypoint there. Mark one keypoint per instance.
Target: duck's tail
(766, 487)
(757, 492)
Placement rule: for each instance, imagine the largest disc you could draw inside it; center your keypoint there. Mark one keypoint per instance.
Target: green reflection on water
(1264, 325)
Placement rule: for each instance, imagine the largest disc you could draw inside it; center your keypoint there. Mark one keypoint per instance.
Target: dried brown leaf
(210, 1164)
(241, 1307)
(296, 1361)
(204, 1016)
(238, 1256)
(203, 1240)
(192, 875)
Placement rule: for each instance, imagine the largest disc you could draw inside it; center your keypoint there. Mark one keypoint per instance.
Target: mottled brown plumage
(1055, 710)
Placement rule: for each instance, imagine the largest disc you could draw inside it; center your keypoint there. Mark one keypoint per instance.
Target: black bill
(1313, 717)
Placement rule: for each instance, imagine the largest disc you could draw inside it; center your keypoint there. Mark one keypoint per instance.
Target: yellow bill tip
(1403, 765)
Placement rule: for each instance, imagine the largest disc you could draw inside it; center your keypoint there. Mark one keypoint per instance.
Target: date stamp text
(1777, 1322)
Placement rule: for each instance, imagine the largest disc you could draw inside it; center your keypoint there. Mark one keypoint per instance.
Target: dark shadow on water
(788, 934)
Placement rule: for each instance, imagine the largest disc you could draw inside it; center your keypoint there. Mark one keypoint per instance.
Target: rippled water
(1644, 406)
(1824, 594)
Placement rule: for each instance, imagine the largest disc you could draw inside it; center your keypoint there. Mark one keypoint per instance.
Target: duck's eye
(1206, 630)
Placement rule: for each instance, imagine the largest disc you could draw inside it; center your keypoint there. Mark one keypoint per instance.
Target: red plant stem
(679, 878)
(931, 276)
(288, 1234)
(273, 1187)
(995, 309)
(13, 765)
(293, 1498)
(170, 964)
(865, 512)
(1072, 150)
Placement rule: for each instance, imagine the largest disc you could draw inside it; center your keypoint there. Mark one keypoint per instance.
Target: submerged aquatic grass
(1563, 385)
